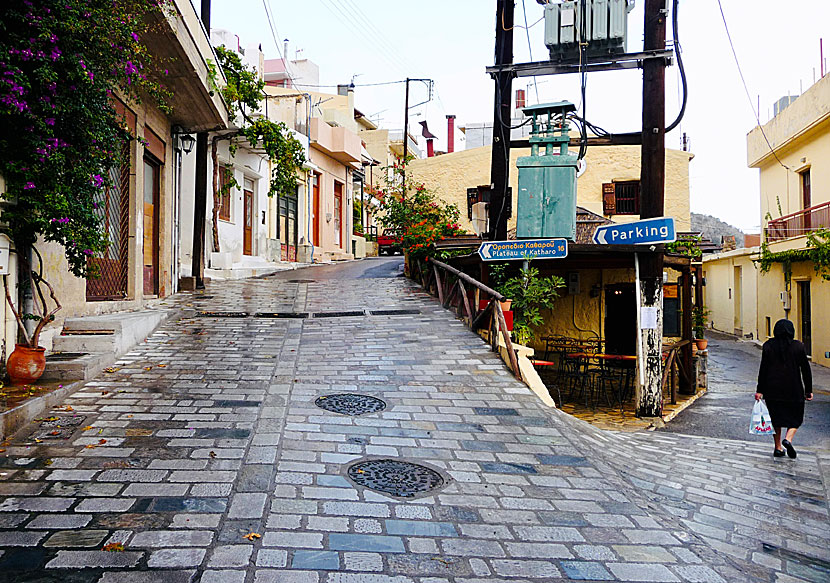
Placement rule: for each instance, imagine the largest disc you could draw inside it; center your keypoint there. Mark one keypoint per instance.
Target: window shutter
(609, 199)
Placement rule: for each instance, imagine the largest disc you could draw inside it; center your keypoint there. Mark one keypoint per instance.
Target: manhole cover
(394, 312)
(350, 404)
(301, 281)
(395, 477)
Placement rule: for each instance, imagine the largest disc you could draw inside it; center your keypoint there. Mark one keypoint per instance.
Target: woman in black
(784, 382)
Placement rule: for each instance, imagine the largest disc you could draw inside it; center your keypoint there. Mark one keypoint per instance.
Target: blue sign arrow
(659, 230)
(526, 248)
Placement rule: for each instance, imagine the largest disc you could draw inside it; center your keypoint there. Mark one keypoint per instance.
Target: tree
(61, 63)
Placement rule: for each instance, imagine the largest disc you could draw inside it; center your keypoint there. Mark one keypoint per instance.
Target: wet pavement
(215, 452)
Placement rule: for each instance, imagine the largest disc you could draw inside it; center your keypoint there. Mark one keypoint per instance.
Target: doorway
(315, 218)
(151, 226)
(248, 214)
(338, 213)
(620, 319)
(806, 316)
(737, 296)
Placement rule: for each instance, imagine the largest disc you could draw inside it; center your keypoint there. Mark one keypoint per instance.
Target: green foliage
(418, 214)
(61, 141)
(243, 92)
(700, 319)
(817, 251)
(530, 294)
(688, 247)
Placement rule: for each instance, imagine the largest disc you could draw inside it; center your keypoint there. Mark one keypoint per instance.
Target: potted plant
(28, 360)
(699, 321)
(499, 279)
(530, 294)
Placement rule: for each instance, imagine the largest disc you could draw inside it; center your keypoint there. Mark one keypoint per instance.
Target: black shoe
(789, 447)
(778, 453)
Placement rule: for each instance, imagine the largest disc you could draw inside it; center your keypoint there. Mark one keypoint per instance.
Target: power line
(530, 47)
(277, 42)
(746, 89)
(380, 34)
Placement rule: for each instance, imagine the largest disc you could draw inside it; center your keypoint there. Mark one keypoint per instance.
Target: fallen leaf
(104, 393)
(162, 366)
(38, 440)
(2, 450)
(90, 446)
(128, 416)
(111, 369)
(102, 441)
(68, 408)
(113, 547)
(148, 368)
(87, 428)
(212, 454)
(252, 535)
(54, 433)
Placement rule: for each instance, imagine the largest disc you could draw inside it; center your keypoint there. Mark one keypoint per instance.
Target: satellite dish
(581, 165)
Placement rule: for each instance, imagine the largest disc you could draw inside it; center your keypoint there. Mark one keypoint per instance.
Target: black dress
(784, 379)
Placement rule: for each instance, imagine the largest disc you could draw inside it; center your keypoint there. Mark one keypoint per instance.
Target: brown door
(248, 235)
(338, 211)
(151, 227)
(315, 219)
(806, 200)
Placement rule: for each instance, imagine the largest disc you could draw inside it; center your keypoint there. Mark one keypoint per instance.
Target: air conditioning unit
(602, 24)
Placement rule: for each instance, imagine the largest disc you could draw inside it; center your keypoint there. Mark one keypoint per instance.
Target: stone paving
(203, 455)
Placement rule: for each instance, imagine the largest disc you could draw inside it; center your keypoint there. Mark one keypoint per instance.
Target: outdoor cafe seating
(581, 372)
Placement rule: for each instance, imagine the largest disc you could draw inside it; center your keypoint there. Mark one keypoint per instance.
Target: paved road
(209, 455)
(724, 411)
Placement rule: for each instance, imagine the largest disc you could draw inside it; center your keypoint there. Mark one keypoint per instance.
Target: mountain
(714, 229)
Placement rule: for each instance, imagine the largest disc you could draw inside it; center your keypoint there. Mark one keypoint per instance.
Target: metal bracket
(590, 65)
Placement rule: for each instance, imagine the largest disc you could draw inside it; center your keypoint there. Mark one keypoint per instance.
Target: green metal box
(547, 178)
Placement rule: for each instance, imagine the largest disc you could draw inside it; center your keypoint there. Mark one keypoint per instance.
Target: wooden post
(500, 157)
(438, 284)
(687, 385)
(514, 362)
(652, 184)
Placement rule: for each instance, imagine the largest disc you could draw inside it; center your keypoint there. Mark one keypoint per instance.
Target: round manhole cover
(350, 404)
(395, 477)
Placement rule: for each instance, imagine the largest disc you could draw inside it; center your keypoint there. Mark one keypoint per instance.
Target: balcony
(337, 142)
(800, 223)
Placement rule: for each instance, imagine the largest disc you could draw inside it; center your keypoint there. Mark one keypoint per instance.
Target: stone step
(86, 343)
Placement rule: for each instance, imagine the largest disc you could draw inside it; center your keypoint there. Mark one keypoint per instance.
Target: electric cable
(746, 88)
(530, 47)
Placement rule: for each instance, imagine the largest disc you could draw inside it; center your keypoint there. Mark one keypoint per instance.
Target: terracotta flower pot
(505, 305)
(701, 343)
(26, 365)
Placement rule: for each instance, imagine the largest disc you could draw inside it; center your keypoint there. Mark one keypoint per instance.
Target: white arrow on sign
(486, 251)
(599, 237)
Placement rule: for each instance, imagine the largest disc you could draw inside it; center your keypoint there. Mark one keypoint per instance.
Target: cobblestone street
(209, 455)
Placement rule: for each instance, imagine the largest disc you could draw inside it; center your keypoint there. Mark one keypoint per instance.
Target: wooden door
(338, 212)
(806, 200)
(248, 213)
(315, 219)
(151, 227)
(805, 301)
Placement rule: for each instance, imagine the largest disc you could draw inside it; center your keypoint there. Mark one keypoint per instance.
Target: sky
(452, 41)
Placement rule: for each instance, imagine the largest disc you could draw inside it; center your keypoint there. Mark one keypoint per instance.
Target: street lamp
(184, 141)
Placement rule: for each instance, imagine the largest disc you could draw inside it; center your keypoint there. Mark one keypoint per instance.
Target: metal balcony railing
(799, 223)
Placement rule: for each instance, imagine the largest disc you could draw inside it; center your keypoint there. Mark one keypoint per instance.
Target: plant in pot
(700, 318)
(530, 294)
(62, 140)
(499, 279)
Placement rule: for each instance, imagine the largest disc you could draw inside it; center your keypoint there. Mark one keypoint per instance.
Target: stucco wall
(332, 171)
(721, 292)
(451, 174)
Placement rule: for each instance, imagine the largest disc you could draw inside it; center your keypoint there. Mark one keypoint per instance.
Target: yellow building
(450, 175)
(791, 153)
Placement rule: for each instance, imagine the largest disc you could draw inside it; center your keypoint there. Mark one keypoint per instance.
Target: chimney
(521, 101)
(450, 134)
(430, 148)
(347, 91)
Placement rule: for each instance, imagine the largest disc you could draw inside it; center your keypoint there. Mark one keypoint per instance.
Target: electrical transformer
(547, 178)
(602, 25)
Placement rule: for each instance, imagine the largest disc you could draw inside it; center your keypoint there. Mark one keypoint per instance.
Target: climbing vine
(688, 246)
(817, 251)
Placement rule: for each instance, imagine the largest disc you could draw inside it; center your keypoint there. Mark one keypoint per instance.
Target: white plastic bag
(760, 423)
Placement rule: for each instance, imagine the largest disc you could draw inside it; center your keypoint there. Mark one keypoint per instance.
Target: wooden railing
(451, 287)
(673, 369)
(799, 223)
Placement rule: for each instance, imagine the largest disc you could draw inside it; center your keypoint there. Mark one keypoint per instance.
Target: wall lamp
(184, 141)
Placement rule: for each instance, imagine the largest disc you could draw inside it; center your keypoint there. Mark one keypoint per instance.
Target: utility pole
(201, 185)
(652, 185)
(500, 161)
(405, 137)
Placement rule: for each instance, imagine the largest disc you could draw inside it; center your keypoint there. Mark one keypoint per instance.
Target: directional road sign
(532, 248)
(648, 231)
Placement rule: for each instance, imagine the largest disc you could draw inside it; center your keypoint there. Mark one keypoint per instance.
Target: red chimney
(450, 134)
(430, 148)
(520, 99)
